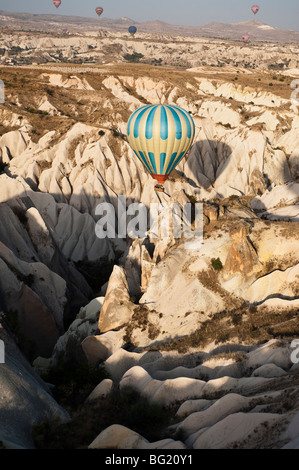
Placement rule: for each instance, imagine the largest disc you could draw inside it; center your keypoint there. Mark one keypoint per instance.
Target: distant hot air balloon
(132, 30)
(255, 9)
(245, 38)
(99, 11)
(65, 31)
(57, 3)
(160, 136)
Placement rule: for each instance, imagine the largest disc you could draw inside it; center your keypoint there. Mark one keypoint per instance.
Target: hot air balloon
(160, 136)
(132, 30)
(99, 11)
(255, 9)
(245, 38)
(57, 3)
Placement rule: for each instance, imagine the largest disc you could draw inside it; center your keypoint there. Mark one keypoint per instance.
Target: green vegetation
(249, 324)
(15, 50)
(135, 57)
(36, 111)
(139, 320)
(217, 264)
(73, 381)
(227, 125)
(126, 408)
(157, 61)
(49, 91)
(192, 198)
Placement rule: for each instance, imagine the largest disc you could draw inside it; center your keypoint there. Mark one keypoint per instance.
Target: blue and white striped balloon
(160, 136)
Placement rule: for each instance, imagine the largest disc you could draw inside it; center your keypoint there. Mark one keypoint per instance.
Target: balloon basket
(159, 188)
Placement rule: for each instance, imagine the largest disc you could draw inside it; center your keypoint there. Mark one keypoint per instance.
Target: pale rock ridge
(268, 370)
(287, 194)
(192, 406)
(206, 420)
(242, 257)
(48, 108)
(117, 308)
(217, 158)
(50, 287)
(72, 231)
(12, 144)
(236, 427)
(120, 437)
(31, 256)
(279, 284)
(245, 95)
(225, 406)
(72, 82)
(102, 390)
(163, 392)
(97, 348)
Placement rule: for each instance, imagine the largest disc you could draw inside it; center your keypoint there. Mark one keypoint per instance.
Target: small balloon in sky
(255, 9)
(132, 30)
(57, 3)
(245, 38)
(99, 11)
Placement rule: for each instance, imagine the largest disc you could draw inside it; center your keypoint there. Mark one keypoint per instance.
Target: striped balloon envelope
(99, 11)
(160, 136)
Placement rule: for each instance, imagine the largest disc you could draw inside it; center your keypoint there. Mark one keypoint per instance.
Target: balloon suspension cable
(159, 188)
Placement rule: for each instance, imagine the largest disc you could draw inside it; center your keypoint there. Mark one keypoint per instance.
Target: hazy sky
(280, 13)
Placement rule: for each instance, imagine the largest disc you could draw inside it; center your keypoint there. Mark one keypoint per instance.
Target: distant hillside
(28, 21)
(257, 30)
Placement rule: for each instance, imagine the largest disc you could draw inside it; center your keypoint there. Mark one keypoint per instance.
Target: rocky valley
(105, 338)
